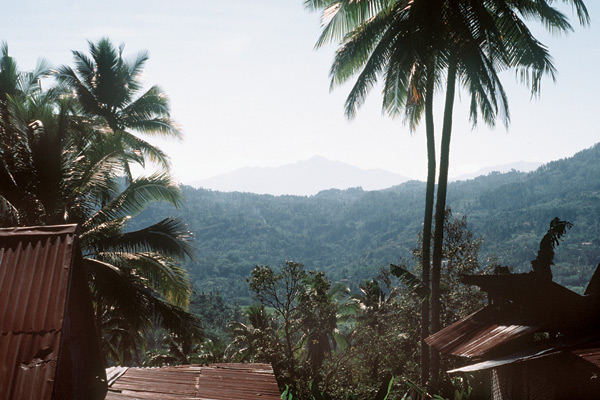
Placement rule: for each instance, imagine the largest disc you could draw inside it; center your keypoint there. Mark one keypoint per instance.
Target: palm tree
(480, 39)
(393, 39)
(106, 86)
(59, 167)
(376, 305)
(16, 87)
(322, 308)
(406, 40)
(254, 341)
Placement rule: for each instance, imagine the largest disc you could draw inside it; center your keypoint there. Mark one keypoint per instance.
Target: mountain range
(309, 177)
(303, 178)
(352, 233)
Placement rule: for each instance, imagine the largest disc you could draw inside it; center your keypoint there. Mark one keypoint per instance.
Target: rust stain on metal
(234, 381)
(476, 335)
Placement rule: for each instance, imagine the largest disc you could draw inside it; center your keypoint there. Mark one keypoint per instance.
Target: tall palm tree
(107, 85)
(59, 167)
(393, 40)
(482, 38)
(470, 40)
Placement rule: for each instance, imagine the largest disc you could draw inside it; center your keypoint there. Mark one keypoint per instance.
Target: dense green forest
(350, 234)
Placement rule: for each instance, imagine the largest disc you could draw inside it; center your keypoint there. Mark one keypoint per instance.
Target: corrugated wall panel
(34, 279)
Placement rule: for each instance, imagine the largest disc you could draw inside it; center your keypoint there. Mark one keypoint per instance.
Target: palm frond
(150, 104)
(342, 17)
(357, 48)
(134, 69)
(128, 296)
(168, 237)
(530, 58)
(410, 280)
(147, 150)
(368, 77)
(162, 274)
(161, 126)
(82, 88)
(29, 82)
(9, 73)
(136, 197)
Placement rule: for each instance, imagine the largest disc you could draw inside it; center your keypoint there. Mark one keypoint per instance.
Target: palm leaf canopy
(62, 164)
(401, 42)
(107, 84)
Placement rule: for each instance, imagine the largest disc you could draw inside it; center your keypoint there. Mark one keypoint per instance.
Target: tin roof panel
(477, 334)
(215, 381)
(527, 355)
(35, 268)
(591, 354)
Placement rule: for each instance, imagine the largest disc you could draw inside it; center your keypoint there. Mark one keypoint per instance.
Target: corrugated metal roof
(35, 264)
(591, 354)
(527, 355)
(477, 334)
(564, 348)
(215, 381)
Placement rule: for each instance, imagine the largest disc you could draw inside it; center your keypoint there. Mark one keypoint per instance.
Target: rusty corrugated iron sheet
(590, 354)
(563, 348)
(238, 382)
(234, 381)
(34, 280)
(526, 355)
(477, 334)
(48, 342)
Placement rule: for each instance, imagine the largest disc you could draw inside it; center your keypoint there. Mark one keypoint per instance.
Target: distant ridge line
(316, 174)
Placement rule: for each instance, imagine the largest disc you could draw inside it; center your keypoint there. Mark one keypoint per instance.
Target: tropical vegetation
(411, 46)
(66, 161)
(323, 340)
(69, 152)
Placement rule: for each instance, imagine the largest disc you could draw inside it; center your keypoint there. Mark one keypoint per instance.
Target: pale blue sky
(248, 89)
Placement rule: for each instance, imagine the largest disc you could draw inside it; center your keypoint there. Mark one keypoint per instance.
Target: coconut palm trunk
(440, 210)
(427, 224)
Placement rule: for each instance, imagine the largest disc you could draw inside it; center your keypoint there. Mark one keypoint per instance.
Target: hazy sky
(248, 89)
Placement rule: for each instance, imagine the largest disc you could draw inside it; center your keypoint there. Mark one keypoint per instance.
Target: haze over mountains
(309, 177)
(303, 178)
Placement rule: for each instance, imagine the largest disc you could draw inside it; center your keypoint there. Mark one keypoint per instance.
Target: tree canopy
(64, 161)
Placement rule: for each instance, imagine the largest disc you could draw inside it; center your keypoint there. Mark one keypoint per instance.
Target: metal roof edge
(510, 359)
(114, 373)
(45, 230)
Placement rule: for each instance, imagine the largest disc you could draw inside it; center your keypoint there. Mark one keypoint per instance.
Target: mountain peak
(304, 178)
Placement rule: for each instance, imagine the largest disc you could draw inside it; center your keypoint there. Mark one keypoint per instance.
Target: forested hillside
(350, 234)
(513, 215)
